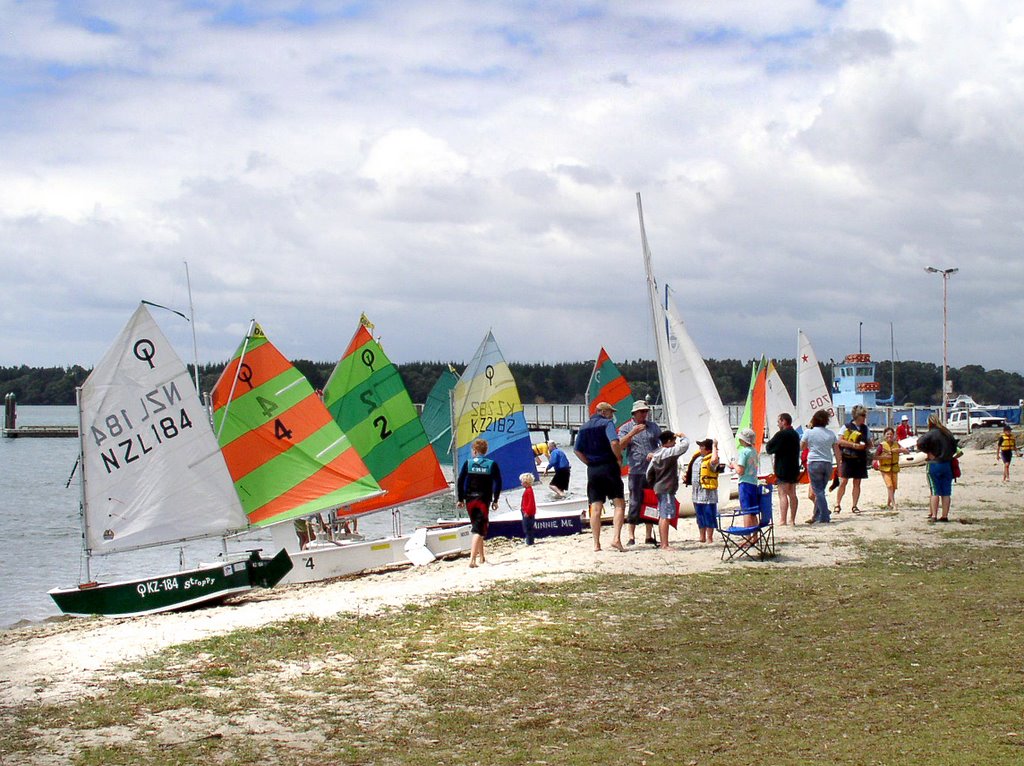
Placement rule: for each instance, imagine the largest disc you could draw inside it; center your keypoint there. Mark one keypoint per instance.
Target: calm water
(42, 533)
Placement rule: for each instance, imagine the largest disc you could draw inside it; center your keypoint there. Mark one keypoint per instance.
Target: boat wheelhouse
(853, 382)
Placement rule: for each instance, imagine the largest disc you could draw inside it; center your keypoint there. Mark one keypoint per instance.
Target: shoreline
(66, 658)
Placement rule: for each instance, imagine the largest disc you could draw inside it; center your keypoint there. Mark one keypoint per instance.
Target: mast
(192, 321)
(660, 335)
(81, 485)
(892, 366)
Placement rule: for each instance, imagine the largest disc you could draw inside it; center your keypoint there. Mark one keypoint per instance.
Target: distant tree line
(566, 382)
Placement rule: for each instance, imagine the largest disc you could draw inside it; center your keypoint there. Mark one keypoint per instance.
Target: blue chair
(756, 541)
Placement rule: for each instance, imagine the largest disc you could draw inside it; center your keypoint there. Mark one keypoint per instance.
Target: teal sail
(437, 416)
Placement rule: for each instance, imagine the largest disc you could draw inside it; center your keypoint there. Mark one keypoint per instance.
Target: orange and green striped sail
(285, 453)
(608, 385)
(368, 400)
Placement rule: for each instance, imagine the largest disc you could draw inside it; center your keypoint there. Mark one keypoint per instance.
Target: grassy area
(908, 657)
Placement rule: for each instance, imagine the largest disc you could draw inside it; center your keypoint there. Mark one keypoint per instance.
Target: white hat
(746, 436)
(640, 405)
(904, 418)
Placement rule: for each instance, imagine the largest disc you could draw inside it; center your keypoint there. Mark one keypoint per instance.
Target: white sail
(152, 470)
(811, 392)
(698, 410)
(689, 396)
(777, 400)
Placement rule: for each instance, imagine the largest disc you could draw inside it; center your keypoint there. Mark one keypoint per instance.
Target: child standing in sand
(887, 461)
(663, 474)
(702, 475)
(528, 506)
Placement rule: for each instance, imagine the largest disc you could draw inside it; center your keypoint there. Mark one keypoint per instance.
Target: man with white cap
(597, 447)
(638, 438)
(903, 429)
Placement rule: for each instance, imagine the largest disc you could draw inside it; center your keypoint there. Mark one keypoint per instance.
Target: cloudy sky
(451, 166)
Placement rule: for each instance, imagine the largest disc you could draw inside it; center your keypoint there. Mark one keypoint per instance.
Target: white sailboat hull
(327, 560)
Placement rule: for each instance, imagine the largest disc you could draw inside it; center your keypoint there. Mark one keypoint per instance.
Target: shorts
(891, 479)
(667, 506)
(477, 510)
(637, 481)
(604, 482)
(940, 479)
(854, 469)
(707, 515)
(561, 479)
(792, 477)
(750, 497)
(1007, 455)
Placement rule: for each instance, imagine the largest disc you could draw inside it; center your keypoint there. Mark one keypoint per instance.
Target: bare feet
(618, 546)
(472, 565)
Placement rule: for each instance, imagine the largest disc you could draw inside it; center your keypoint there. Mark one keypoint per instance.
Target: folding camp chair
(755, 541)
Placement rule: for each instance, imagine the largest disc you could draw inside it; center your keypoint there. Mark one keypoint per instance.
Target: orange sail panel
(368, 400)
(285, 453)
(757, 408)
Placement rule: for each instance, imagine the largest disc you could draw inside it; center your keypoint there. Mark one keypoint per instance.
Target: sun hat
(904, 418)
(746, 436)
(603, 406)
(640, 405)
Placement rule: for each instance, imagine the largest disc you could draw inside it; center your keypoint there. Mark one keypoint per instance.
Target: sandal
(855, 509)
(838, 510)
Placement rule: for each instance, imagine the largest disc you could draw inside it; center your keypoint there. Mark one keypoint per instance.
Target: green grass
(908, 657)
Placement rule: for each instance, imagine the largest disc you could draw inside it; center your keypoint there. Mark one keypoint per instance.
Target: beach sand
(67, 659)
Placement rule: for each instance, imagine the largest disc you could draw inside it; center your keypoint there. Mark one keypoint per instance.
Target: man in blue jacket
(597, 447)
(477, 489)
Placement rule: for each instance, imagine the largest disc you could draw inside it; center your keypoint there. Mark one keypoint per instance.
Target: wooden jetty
(11, 430)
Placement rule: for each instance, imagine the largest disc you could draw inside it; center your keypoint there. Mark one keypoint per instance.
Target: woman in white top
(822, 446)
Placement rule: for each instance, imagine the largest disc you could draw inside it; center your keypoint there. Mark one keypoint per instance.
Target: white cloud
(451, 166)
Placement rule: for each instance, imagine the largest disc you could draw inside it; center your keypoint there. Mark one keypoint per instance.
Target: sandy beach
(70, 658)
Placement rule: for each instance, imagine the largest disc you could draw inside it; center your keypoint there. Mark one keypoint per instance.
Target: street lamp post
(946, 274)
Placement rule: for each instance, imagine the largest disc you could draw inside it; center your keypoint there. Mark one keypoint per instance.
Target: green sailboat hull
(180, 590)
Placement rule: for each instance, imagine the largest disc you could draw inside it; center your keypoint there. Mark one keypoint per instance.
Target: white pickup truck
(962, 421)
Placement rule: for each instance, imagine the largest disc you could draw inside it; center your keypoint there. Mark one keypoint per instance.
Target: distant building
(853, 381)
